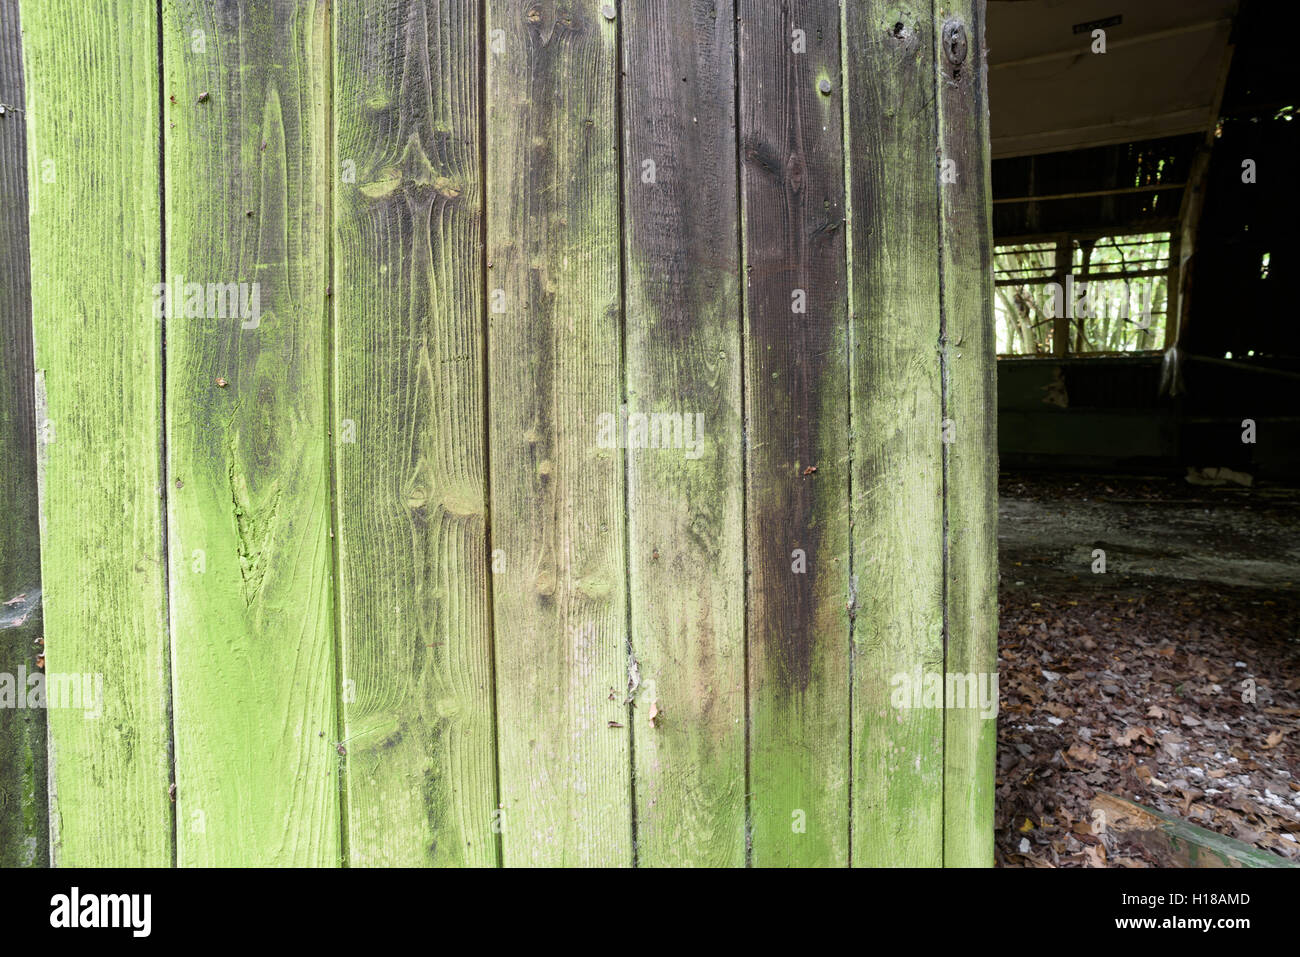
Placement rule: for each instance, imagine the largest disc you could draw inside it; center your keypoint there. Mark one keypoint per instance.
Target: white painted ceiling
(1048, 91)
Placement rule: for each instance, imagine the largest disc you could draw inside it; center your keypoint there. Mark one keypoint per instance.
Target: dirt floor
(1172, 678)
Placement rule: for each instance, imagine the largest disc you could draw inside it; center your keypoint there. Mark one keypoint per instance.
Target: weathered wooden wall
(375, 575)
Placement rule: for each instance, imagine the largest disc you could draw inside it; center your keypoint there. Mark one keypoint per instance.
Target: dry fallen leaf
(1129, 736)
(1082, 753)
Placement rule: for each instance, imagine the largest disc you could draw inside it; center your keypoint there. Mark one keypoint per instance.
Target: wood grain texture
(970, 400)
(557, 496)
(685, 497)
(632, 364)
(92, 135)
(897, 411)
(247, 195)
(409, 432)
(24, 808)
(796, 381)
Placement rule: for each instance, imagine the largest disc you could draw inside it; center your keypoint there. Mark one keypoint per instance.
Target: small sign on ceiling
(1114, 21)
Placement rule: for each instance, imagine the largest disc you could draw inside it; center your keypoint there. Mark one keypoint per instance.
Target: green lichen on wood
(409, 431)
(557, 496)
(92, 135)
(829, 495)
(250, 565)
(897, 411)
(970, 737)
(685, 500)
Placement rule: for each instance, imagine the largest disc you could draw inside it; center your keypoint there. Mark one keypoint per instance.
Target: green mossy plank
(897, 456)
(797, 420)
(970, 402)
(92, 133)
(685, 515)
(247, 199)
(24, 806)
(1175, 842)
(557, 496)
(409, 433)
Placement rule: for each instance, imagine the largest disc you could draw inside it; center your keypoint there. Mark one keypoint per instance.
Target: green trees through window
(1101, 295)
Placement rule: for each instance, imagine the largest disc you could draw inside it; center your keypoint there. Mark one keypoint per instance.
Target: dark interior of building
(1149, 427)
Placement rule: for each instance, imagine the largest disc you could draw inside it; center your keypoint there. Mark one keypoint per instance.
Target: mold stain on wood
(372, 568)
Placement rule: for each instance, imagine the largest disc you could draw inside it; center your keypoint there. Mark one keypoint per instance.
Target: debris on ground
(1180, 694)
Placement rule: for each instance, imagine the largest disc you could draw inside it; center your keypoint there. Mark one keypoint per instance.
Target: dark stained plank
(24, 808)
(685, 488)
(797, 405)
(409, 433)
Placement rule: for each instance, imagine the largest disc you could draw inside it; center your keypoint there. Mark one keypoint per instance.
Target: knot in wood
(954, 42)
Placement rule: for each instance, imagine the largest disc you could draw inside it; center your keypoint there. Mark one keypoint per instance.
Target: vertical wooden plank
(409, 435)
(252, 613)
(1171, 288)
(897, 427)
(554, 371)
(796, 382)
(24, 807)
(683, 376)
(970, 402)
(1064, 265)
(92, 133)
